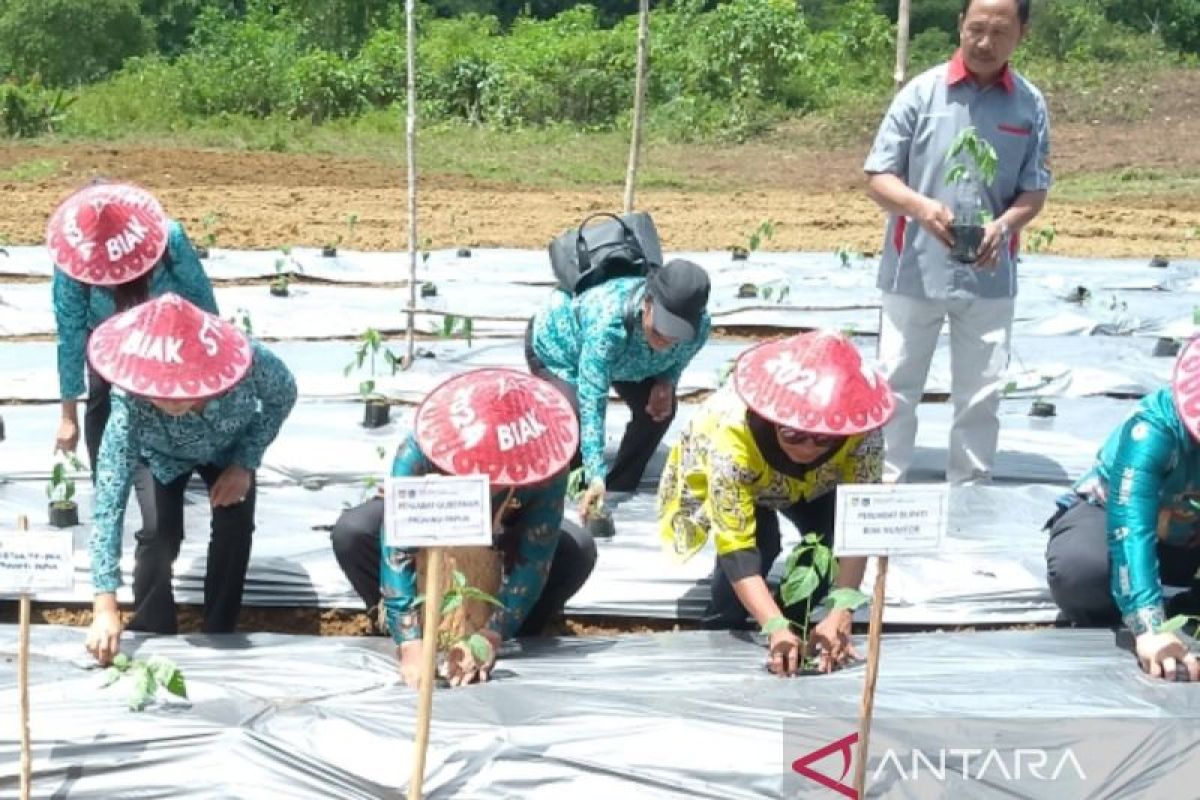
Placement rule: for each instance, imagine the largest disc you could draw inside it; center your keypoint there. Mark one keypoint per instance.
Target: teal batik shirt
(584, 341)
(235, 428)
(79, 309)
(536, 523)
(1149, 464)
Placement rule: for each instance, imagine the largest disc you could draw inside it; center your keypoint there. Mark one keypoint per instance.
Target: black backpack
(621, 247)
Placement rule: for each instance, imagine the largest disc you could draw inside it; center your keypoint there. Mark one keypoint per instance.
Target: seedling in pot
(1080, 295)
(461, 233)
(973, 163)
(843, 254)
(1160, 262)
(376, 412)
(429, 289)
(599, 521)
(242, 319)
(800, 583)
(64, 511)
(331, 250)
(146, 677)
(453, 325)
(282, 280)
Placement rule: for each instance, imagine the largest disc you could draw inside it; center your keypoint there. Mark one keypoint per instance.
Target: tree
(68, 42)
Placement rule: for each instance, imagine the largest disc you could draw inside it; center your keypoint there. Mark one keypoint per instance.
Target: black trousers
(642, 434)
(158, 546)
(1078, 568)
(357, 547)
(724, 610)
(95, 415)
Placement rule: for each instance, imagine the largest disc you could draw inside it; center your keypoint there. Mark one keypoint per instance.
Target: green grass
(29, 171)
(1131, 181)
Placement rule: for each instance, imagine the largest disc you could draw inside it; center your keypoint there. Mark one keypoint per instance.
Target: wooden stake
(902, 18)
(23, 682)
(410, 17)
(867, 707)
(639, 100)
(429, 653)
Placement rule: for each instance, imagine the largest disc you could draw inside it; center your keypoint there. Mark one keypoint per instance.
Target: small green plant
(764, 232)
(284, 265)
(1042, 238)
(242, 319)
(351, 221)
(146, 677)
(369, 351)
(776, 290)
(61, 488)
(459, 592)
(844, 254)
(973, 164)
(800, 583)
(1196, 315)
(452, 326)
(209, 223)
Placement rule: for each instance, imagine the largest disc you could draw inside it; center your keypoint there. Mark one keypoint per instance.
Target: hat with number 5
(1185, 387)
(814, 382)
(168, 349)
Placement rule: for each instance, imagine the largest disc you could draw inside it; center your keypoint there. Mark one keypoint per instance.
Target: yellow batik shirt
(716, 475)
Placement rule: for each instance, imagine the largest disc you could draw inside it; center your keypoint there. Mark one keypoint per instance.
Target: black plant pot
(202, 251)
(1166, 347)
(464, 252)
(64, 515)
(1, 429)
(279, 290)
(428, 290)
(747, 291)
(740, 254)
(1041, 408)
(1160, 262)
(1079, 295)
(376, 414)
(600, 526)
(967, 239)
(329, 251)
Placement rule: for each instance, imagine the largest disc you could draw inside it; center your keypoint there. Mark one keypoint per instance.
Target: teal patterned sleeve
(191, 280)
(602, 332)
(114, 478)
(1142, 459)
(275, 389)
(688, 350)
(397, 570)
(538, 524)
(70, 299)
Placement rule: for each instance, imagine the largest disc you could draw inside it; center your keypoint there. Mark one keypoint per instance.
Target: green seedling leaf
(1173, 624)
(471, 593)
(799, 585)
(143, 689)
(121, 661)
(480, 647)
(111, 676)
(774, 625)
(460, 580)
(451, 602)
(822, 560)
(167, 675)
(847, 598)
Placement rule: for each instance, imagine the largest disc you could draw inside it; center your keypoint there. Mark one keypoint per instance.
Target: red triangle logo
(802, 765)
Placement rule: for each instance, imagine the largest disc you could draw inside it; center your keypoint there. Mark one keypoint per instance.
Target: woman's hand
(104, 635)
(410, 655)
(464, 666)
(1160, 653)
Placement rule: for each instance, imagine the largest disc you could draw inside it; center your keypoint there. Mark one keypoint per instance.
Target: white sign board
(891, 519)
(437, 511)
(36, 561)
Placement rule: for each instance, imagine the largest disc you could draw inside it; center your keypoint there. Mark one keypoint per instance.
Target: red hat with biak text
(168, 349)
(107, 234)
(815, 382)
(508, 425)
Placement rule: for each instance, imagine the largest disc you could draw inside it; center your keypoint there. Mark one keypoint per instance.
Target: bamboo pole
(410, 18)
(23, 682)
(902, 28)
(639, 100)
(867, 706)
(429, 654)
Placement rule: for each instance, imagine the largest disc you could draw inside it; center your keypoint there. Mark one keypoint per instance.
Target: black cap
(679, 292)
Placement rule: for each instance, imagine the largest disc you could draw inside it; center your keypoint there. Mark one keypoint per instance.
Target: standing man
(922, 286)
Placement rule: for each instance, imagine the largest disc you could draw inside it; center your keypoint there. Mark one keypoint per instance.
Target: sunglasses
(794, 436)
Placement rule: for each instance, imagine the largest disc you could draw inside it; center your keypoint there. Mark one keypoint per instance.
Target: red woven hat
(508, 425)
(814, 382)
(168, 349)
(107, 234)
(1185, 387)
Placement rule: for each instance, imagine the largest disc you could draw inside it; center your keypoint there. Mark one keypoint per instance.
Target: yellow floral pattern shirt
(716, 475)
